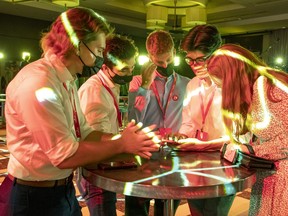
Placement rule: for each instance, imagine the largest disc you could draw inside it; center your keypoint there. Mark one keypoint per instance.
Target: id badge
(201, 135)
(165, 131)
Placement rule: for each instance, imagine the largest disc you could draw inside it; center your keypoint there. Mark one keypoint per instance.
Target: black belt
(49, 183)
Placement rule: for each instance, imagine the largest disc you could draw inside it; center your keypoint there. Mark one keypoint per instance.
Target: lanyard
(115, 103)
(204, 111)
(164, 109)
(75, 115)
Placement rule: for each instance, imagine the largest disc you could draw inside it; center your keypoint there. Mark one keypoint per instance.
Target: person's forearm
(97, 146)
(216, 144)
(90, 152)
(99, 136)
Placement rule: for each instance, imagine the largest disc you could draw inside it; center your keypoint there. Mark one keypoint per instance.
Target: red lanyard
(75, 115)
(168, 99)
(115, 103)
(203, 111)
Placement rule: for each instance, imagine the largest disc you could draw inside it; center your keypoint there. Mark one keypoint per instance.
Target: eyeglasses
(197, 61)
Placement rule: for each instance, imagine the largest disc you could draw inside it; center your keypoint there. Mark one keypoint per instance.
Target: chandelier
(65, 3)
(173, 15)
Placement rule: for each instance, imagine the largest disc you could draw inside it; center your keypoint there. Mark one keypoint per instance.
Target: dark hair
(119, 47)
(76, 24)
(204, 38)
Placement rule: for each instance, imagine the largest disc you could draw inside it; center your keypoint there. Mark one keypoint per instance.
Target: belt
(49, 183)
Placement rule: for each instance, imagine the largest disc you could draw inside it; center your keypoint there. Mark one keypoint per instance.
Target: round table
(173, 175)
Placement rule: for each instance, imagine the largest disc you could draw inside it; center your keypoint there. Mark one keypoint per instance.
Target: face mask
(97, 65)
(165, 71)
(121, 80)
(93, 69)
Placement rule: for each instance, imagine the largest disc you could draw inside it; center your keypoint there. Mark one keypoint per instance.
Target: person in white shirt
(202, 122)
(99, 100)
(47, 134)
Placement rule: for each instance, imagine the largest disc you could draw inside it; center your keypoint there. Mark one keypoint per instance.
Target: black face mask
(97, 65)
(165, 71)
(93, 69)
(121, 80)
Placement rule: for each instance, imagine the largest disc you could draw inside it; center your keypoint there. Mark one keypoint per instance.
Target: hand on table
(192, 144)
(174, 137)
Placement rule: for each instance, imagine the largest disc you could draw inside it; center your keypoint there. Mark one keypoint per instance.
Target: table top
(178, 175)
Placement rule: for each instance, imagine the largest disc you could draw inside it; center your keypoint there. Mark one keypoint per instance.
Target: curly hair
(82, 23)
(119, 47)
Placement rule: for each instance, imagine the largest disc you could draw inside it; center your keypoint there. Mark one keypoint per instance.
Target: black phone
(117, 165)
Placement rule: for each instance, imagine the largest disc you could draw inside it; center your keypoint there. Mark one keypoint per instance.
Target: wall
(18, 34)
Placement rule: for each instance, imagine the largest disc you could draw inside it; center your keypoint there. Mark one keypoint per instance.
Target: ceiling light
(16, 1)
(196, 16)
(157, 14)
(66, 3)
(165, 14)
(180, 3)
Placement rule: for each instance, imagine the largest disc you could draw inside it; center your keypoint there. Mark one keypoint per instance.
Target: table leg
(168, 207)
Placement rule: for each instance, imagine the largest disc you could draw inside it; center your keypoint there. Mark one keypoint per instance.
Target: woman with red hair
(254, 98)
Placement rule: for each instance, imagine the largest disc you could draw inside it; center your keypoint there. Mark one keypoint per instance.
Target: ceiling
(129, 16)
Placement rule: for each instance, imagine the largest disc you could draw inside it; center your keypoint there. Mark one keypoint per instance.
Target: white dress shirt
(97, 103)
(39, 115)
(191, 114)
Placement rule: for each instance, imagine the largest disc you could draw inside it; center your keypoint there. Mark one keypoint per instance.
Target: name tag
(201, 135)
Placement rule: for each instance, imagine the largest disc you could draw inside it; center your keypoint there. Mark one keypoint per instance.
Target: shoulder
(193, 83)
(93, 83)
(34, 76)
(184, 80)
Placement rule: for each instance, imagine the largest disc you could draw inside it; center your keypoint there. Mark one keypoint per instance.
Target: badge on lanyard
(175, 97)
(201, 135)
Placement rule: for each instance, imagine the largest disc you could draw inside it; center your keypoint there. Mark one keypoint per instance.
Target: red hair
(85, 23)
(237, 69)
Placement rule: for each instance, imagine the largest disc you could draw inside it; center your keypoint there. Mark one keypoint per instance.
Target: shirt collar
(59, 68)
(158, 76)
(105, 79)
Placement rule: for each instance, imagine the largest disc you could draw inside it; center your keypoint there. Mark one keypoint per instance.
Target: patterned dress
(270, 123)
